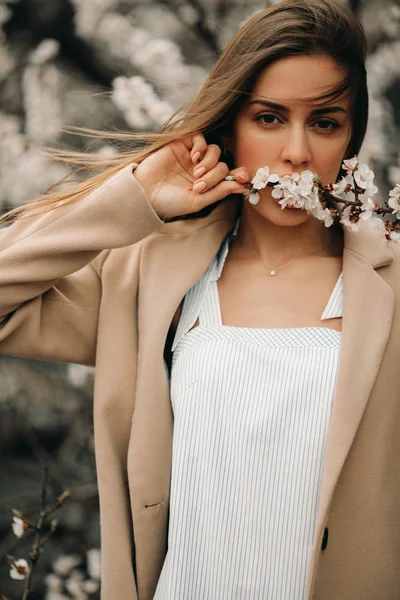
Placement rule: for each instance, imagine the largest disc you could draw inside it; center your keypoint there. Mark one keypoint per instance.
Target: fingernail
(199, 171)
(200, 186)
(242, 175)
(195, 156)
(240, 191)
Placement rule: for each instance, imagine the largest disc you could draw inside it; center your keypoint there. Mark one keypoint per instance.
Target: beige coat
(98, 282)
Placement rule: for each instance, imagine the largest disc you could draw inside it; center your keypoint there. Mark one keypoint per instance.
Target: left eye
(326, 124)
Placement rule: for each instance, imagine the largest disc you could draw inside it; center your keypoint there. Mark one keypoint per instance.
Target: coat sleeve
(50, 269)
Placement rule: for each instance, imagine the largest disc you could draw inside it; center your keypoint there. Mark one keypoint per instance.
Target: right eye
(267, 118)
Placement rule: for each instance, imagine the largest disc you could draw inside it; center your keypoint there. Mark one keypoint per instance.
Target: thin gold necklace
(273, 272)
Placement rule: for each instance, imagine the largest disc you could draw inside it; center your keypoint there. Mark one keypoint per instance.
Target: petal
(254, 198)
(273, 178)
(277, 193)
(14, 574)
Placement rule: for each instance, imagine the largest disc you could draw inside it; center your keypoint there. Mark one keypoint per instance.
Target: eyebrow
(317, 111)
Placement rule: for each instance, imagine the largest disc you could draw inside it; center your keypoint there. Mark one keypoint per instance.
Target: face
(281, 126)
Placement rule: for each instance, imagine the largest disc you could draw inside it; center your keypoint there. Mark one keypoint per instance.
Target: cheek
(328, 165)
(250, 152)
(328, 156)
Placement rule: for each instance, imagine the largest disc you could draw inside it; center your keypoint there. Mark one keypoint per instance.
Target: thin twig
(34, 555)
(39, 539)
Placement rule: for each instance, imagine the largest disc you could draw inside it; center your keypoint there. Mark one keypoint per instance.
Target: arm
(50, 269)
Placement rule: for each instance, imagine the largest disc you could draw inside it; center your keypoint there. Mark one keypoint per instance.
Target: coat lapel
(172, 260)
(368, 304)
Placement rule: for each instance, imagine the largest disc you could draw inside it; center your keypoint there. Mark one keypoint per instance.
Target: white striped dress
(251, 415)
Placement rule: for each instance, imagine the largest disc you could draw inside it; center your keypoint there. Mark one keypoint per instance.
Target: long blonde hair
(289, 28)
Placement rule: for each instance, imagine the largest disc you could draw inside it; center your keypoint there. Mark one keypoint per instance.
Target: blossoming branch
(20, 568)
(354, 191)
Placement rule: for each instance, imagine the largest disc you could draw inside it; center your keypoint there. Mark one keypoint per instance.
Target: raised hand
(186, 175)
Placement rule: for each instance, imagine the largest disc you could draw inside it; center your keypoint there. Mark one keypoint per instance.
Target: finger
(212, 178)
(241, 175)
(199, 147)
(209, 161)
(218, 192)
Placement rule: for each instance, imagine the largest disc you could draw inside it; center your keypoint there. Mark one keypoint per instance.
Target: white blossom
(292, 201)
(44, 52)
(254, 198)
(54, 595)
(18, 527)
(65, 563)
(26, 172)
(93, 557)
(324, 215)
(350, 164)
(89, 586)
(285, 190)
(262, 178)
(5, 14)
(138, 38)
(305, 183)
(161, 62)
(158, 54)
(394, 200)
(395, 192)
(346, 220)
(139, 103)
(311, 201)
(368, 209)
(343, 186)
(117, 36)
(369, 190)
(20, 570)
(363, 176)
(297, 191)
(41, 87)
(7, 62)
(74, 586)
(88, 15)
(53, 582)
(42, 96)
(79, 375)
(189, 14)
(107, 150)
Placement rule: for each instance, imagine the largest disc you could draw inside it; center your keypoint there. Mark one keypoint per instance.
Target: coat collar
(370, 244)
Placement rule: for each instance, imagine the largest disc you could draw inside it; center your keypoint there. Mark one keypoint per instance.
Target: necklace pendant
(272, 272)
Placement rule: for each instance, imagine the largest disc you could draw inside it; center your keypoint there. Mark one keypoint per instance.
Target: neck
(276, 245)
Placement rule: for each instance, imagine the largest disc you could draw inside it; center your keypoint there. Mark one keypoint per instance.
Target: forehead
(300, 79)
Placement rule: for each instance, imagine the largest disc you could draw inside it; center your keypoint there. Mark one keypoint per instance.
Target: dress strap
(191, 305)
(210, 309)
(202, 301)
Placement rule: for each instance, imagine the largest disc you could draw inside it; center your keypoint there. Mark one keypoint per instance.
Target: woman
(259, 459)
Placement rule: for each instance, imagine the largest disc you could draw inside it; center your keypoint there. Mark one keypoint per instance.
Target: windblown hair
(290, 28)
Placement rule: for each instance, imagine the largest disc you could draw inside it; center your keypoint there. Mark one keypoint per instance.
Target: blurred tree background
(112, 65)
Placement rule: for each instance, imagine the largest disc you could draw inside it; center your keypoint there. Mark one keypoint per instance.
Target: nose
(296, 149)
